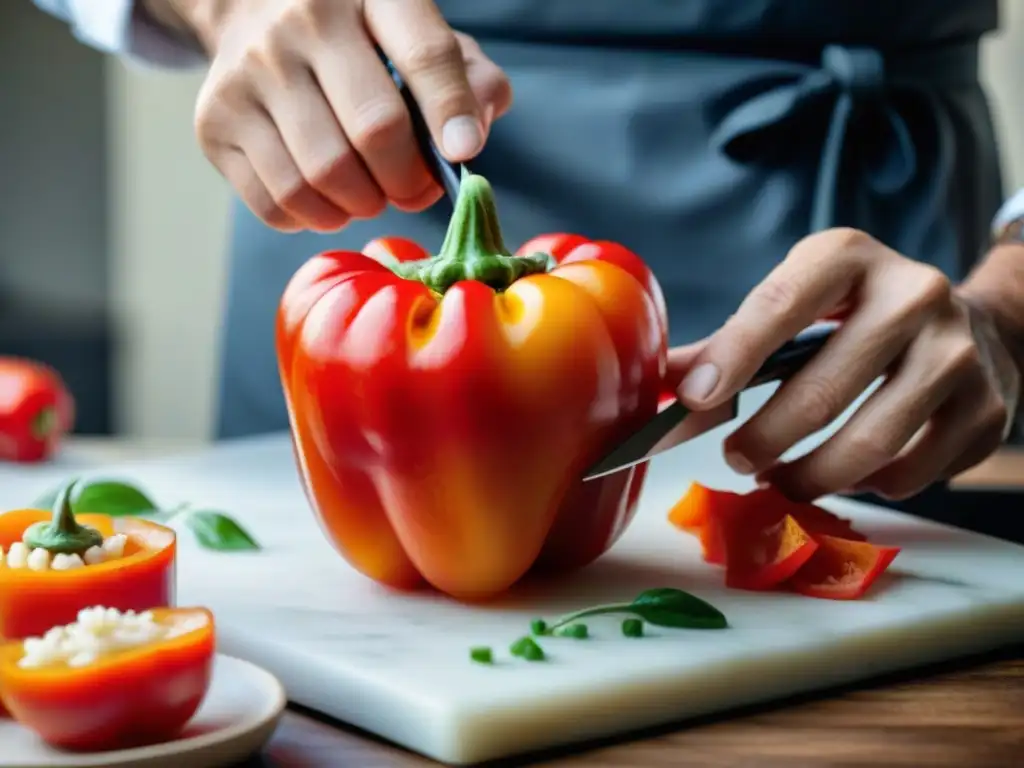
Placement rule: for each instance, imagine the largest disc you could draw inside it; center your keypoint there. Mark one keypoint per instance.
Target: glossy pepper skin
(143, 695)
(32, 602)
(36, 411)
(443, 409)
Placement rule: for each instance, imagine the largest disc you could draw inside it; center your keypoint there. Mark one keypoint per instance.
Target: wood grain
(968, 714)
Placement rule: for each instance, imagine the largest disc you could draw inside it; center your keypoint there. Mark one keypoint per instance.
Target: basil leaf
(102, 497)
(215, 530)
(667, 607)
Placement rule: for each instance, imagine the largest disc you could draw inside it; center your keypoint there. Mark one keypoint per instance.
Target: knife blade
(675, 424)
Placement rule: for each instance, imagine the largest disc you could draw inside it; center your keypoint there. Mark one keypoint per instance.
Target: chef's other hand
(302, 118)
(949, 384)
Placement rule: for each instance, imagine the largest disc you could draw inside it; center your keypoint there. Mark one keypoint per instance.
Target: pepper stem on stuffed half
(63, 534)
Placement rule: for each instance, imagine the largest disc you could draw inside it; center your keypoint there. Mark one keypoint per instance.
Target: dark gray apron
(706, 135)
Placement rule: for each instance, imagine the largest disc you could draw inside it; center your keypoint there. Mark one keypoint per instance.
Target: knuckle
(288, 194)
(313, 15)
(933, 289)
(206, 131)
(819, 399)
(849, 239)
(323, 168)
(438, 51)
(468, 43)
(775, 298)
(831, 241)
(994, 414)
(961, 357)
(258, 59)
(379, 126)
(217, 105)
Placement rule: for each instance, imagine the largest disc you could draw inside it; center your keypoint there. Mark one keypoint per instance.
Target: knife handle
(794, 354)
(444, 172)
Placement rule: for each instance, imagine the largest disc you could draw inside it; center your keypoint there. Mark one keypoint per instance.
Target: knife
(445, 173)
(675, 424)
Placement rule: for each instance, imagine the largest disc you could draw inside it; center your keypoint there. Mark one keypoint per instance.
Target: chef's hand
(302, 118)
(949, 387)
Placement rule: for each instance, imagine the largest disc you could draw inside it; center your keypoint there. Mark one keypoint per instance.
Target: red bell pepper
(140, 688)
(443, 409)
(841, 569)
(36, 410)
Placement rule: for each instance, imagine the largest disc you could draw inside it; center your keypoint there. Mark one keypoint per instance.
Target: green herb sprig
(213, 529)
(661, 607)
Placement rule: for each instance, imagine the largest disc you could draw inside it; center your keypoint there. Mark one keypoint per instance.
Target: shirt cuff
(119, 27)
(1012, 209)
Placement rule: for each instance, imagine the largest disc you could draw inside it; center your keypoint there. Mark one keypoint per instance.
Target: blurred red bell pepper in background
(443, 409)
(36, 410)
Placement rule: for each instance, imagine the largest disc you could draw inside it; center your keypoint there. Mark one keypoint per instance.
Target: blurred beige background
(167, 221)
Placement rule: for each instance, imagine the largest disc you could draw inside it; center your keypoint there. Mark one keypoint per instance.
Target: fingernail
(700, 382)
(739, 463)
(462, 136)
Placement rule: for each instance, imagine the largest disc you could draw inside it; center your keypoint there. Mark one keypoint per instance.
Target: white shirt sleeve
(1010, 210)
(117, 26)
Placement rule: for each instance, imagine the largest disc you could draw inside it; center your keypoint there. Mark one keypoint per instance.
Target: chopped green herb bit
(534, 653)
(538, 627)
(577, 631)
(526, 648)
(481, 654)
(633, 628)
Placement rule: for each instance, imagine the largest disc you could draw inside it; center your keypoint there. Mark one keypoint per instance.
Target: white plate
(237, 718)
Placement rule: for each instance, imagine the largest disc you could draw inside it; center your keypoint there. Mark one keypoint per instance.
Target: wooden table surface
(969, 714)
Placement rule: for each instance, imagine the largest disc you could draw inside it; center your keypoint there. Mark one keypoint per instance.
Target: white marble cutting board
(398, 666)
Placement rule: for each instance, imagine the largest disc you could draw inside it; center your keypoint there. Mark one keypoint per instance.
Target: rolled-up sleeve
(118, 27)
(1011, 210)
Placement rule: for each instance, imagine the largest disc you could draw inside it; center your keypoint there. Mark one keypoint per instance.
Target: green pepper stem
(44, 422)
(473, 247)
(63, 516)
(474, 232)
(599, 610)
(63, 534)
